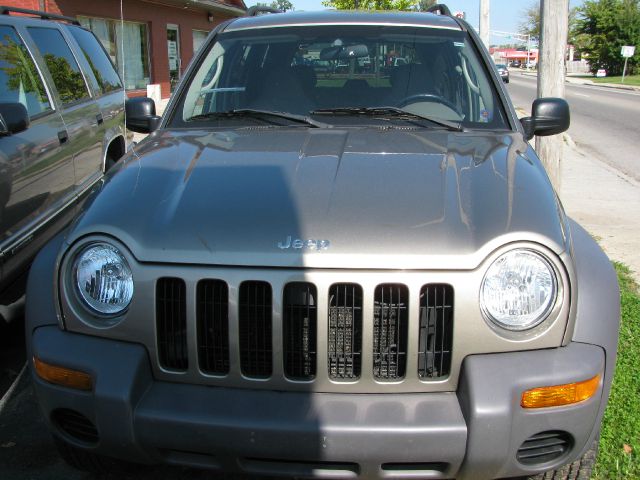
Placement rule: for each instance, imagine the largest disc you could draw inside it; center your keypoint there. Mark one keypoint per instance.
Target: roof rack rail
(260, 9)
(43, 15)
(440, 9)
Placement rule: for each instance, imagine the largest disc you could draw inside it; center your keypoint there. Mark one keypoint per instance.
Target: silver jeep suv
(61, 128)
(320, 272)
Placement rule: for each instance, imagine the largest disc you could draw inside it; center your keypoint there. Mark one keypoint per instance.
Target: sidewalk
(605, 202)
(570, 78)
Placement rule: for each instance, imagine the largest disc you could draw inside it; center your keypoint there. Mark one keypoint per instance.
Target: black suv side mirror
(549, 116)
(14, 118)
(141, 115)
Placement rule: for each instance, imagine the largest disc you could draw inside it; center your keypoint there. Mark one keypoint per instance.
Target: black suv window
(100, 64)
(20, 81)
(61, 63)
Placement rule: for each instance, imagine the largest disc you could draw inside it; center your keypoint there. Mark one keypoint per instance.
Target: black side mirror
(141, 115)
(549, 116)
(14, 118)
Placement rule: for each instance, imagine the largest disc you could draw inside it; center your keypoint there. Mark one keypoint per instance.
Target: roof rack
(440, 9)
(257, 10)
(43, 15)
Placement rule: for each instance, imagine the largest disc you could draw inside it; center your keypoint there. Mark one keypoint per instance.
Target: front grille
(436, 331)
(299, 316)
(171, 323)
(236, 340)
(75, 425)
(254, 316)
(544, 447)
(390, 326)
(345, 331)
(213, 326)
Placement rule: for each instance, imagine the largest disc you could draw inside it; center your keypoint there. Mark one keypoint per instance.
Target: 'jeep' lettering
(300, 244)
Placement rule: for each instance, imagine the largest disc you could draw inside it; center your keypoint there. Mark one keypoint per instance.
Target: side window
(62, 65)
(98, 60)
(20, 81)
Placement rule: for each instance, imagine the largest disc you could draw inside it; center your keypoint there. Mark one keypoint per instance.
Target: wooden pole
(484, 22)
(554, 17)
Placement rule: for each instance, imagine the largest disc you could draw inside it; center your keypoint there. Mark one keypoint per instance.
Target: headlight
(103, 279)
(519, 290)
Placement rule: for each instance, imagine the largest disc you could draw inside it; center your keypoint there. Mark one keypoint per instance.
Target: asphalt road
(604, 121)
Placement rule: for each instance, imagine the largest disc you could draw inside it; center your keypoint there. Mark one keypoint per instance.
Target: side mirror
(141, 115)
(14, 118)
(549, 116)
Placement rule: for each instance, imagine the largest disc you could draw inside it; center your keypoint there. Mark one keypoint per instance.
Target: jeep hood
(378, 198)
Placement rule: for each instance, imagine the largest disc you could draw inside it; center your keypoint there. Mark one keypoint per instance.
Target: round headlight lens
(103, 279)
(518, 290)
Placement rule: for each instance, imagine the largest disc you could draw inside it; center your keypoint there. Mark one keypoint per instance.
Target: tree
(371, 4)
(530, 24)
(424, 5)
(284, 5)
(603, 27)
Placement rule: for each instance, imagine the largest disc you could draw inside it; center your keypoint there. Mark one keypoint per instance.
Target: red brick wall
(155, 15)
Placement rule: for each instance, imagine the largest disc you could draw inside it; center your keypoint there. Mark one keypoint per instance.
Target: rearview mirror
(549, 116)
(14, 118)
(141, 115)
(353, 51)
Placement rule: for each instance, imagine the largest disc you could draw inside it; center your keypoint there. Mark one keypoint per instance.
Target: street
(604, 121)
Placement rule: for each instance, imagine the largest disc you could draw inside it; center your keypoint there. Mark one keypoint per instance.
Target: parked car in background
(301, 278)
(503, 71)
(515, 64)
(61, 128)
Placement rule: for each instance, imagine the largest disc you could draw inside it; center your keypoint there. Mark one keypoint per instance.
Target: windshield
(429, 72)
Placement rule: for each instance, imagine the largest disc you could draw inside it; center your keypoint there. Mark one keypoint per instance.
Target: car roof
(333, 17)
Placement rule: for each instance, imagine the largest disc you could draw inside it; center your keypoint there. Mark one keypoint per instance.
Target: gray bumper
(472, 433)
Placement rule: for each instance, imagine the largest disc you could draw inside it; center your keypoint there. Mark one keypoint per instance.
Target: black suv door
(80, 112)
(36, 171)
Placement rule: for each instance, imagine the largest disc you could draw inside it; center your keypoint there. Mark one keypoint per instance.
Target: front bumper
(472, 433)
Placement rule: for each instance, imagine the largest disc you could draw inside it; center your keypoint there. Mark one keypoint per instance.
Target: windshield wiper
(388, 112)
(250, 112)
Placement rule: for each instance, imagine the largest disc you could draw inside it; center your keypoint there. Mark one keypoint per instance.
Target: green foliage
(69, 82)
(284, 5)
(603, 27)
(424, 5)
(619, 456)
(371, 4)
(20, 70)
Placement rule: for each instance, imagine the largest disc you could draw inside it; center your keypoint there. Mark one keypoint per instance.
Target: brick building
(156, 39)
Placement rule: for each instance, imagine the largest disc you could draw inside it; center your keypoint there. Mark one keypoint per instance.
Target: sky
(505, 15)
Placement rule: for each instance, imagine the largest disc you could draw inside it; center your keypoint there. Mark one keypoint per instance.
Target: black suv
(61, 127)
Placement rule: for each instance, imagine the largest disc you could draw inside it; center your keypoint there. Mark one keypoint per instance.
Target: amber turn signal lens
(560, 394)
(63, 376)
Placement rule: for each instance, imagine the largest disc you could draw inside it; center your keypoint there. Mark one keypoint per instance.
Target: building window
(199, 36)
(132, 60)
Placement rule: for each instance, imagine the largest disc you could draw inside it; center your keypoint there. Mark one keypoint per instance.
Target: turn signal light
(560, 394)
(63, 376)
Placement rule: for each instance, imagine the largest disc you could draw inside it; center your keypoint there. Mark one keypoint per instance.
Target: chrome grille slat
(213, 326)
(255, 313)
(436, 331)
(390, 323)
(345, 331)
(171, 323)
(299, 330)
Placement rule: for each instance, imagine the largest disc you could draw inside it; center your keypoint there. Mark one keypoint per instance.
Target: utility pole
(484, 22)
(554, 17)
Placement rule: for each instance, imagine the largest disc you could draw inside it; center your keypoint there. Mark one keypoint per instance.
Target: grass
(619, 456)
(628, 80)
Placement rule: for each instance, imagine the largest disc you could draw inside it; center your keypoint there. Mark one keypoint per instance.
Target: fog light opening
(62, 376)
(559, 395)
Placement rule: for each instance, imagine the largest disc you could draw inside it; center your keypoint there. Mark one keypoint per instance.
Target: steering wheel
(428, 97)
